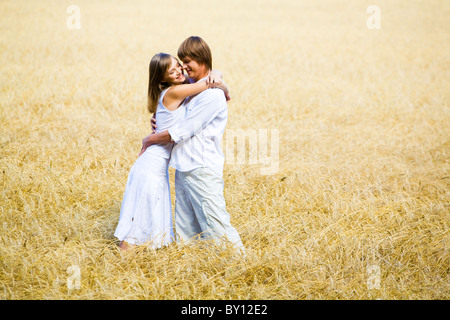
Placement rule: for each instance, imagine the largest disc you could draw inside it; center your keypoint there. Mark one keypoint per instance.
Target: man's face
(194, 70)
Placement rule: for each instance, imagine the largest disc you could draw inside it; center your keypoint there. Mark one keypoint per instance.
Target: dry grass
(364, 126)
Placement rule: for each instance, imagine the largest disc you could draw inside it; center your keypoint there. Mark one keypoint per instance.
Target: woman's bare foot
(124, 246)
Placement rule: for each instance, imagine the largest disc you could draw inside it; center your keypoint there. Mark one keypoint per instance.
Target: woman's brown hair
(158, 67)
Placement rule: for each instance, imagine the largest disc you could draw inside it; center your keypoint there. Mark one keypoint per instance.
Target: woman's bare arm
(176, 94)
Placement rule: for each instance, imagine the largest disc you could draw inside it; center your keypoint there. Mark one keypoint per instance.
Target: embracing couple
(191, 114)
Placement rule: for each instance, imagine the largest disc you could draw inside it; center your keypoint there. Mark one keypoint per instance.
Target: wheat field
(358, 207)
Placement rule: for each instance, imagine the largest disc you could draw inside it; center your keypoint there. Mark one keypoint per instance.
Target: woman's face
(174, 74)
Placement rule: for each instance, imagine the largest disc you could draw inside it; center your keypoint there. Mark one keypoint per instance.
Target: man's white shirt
(198, 136)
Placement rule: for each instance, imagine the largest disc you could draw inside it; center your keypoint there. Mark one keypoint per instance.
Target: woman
(146, 214)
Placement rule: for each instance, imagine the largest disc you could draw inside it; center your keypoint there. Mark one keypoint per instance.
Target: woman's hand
(214, 79)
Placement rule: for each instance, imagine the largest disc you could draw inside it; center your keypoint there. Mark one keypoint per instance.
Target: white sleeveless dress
(146, 212)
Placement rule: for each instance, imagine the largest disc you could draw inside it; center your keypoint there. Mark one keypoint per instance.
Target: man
(200, 208)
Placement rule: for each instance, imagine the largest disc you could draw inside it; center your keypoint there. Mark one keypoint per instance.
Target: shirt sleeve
(209, 104)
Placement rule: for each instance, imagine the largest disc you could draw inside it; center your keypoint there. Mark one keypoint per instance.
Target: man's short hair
(196, 49)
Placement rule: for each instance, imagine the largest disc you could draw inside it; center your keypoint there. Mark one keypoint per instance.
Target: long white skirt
(146, 213)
